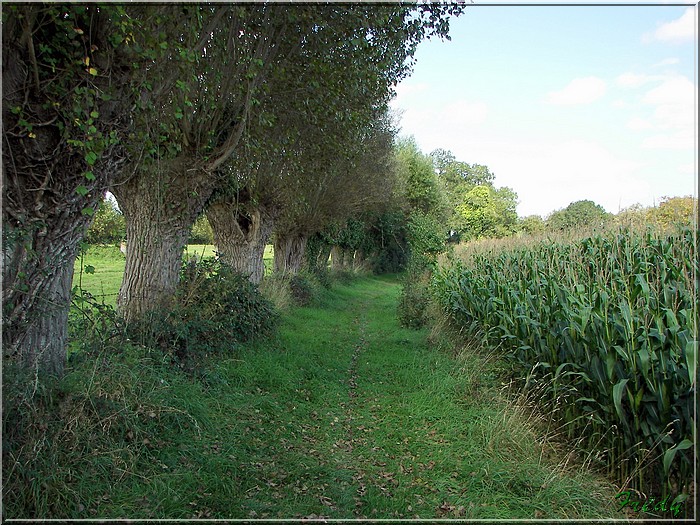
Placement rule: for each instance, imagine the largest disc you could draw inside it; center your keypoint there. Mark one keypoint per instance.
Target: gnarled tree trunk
(289, 253)
(37, 279)
(50, 187)
(159, 211)
(241, 232)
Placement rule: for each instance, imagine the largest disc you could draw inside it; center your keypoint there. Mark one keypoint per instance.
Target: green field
(107, 265)
(343, 414)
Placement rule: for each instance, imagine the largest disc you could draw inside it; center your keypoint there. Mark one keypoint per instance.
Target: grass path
(348, 415)
(343, 414)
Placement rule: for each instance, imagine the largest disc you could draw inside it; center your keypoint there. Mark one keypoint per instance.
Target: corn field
(605, 327)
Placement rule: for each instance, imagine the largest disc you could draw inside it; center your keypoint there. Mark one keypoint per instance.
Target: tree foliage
(487, 212)
(674, 211)
(532, 225)
(152, 101)
(420, 188)
(579, 214)
(108, 226)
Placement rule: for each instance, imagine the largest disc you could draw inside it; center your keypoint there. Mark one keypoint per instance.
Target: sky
(563, 103)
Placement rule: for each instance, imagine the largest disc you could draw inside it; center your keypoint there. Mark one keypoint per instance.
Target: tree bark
(289, 253)
(159, 210)
(37, 279)
(358, 260)
(48, 196)
(241, 233)
(337, 258)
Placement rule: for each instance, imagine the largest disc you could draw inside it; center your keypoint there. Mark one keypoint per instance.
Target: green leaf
(618, 390)
(81, 190)
(90, 158)
(671, 453)
(88, 211)
(89, 175)
(94, 114)
(89, 268)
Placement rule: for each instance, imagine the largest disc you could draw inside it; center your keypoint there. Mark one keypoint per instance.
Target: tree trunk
(358, 260)
(289, 253)
(241, 233)
(50, 185)
(159, 210)
(37, 279)
(322, 259)
(337, 258)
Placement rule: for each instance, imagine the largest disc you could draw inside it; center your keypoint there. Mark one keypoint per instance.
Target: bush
(214, 309)
(302, 289)
(426, 243)
(108, 226)
(201, 232)
(414, 301)
(323, 276)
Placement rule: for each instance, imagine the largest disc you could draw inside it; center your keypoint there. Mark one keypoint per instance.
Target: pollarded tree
(260, 180)
(68, 86)
(344, 71)
(354, 176)
(192, 127)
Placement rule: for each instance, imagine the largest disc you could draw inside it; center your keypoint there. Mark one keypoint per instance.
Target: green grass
(108, 263)
(344, 414)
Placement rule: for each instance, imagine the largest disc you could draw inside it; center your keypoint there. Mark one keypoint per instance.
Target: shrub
(302, 289)
(214, 309)
(201, 232)
(426, 243)
(323, 276)
(414, 301)
(108, 226)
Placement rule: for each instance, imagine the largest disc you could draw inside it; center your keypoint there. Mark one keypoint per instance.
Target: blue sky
(563, 103)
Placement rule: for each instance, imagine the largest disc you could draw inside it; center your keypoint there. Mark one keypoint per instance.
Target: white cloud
(667, 62)
(674, 90)
(679, 30)
(552, 176)
(406, 89)
(674, 114)
(639, 124)
(687, 169)
(668, 109)
(680, 140)
(440, 126)
(578, 91)
(633, 80)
